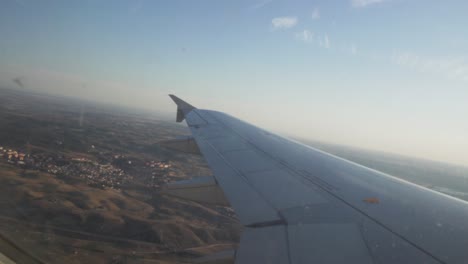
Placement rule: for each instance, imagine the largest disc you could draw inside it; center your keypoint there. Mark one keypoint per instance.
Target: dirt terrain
(88, 188)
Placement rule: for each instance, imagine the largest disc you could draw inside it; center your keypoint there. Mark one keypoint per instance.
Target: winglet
(183, 108)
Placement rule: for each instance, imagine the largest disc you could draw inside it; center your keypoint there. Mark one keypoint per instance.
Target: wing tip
(181, 103)
(183, 108)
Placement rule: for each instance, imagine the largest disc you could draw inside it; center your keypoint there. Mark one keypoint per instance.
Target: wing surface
(302, 205)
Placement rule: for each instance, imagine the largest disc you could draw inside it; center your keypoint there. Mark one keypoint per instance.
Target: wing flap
(263, 245)
(327, 243)
(250, 206)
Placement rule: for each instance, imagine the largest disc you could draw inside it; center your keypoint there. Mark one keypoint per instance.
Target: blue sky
(381, 74)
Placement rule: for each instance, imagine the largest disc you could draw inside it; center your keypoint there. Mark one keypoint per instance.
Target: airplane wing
(299, 204)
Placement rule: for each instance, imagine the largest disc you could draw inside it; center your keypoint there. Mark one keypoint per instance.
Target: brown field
(60, 217)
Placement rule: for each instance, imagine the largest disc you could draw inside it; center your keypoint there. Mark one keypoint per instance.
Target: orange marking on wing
(372, 200)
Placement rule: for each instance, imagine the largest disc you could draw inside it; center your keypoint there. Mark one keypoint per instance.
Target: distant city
(95, 174)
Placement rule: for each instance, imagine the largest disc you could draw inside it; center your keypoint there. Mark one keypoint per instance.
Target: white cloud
(305, 35)
(324, 41)
(451, 67)
(283, 22)
(316, 14)
(364, 3)
(261, 4)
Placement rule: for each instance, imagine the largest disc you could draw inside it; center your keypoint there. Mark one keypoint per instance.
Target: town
(111, 175)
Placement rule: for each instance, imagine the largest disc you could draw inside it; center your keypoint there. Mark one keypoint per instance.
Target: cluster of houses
(158, 164)
(95, 174)
(12, 156)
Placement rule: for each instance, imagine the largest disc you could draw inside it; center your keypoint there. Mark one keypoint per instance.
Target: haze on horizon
(389, 75)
